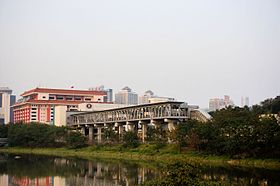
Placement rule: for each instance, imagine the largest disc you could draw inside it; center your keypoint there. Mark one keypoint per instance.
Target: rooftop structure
(150, 97)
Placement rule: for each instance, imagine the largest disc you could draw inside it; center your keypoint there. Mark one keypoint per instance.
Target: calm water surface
(29, 170)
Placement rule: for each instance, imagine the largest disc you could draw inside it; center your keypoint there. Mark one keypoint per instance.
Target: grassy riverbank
(147, 153)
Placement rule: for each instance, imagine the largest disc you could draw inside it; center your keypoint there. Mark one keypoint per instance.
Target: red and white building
(37, 105)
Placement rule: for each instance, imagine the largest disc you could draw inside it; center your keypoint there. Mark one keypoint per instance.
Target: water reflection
(240, 176)
(30, 170)
(45, 171)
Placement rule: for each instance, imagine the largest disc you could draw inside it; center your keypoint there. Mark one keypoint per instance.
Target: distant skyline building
(109, 92)
(218, 103)
(150, 97)
(144, 99)
(38, 105)
(126, 96)
(7, 100)
(214, 104)
(244, 101)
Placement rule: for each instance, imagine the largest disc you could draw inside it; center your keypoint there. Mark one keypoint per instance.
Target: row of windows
(72, 106)
(67, 98)
(35, 106)
(21, 113)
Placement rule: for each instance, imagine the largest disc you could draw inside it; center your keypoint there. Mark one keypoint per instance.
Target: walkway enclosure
(137, 118)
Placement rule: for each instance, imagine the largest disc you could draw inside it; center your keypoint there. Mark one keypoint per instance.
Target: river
(33, 170)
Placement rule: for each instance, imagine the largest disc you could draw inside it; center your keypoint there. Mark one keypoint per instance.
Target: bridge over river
(131, 118)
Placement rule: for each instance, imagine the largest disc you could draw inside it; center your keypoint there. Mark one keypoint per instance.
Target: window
(69, 98)
(78, 98)
(59, 97)
(51, 97)
(87, 99)
(44, 97)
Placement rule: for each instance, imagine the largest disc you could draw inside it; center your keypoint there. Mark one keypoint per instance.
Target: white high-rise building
(6, 101)
(244, 101)
(126, 96)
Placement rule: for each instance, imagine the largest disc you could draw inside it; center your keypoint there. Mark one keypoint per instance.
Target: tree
(184, 134)
(130, 139)
(75, 140)
(271, 105)
(265, 140)
(157, 136)
(3, 131)
(32, 135)
(110, 135)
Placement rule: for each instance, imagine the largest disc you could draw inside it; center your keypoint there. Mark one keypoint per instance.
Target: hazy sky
(192, 50)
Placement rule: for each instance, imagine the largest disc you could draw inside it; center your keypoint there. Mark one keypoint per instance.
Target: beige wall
(160, 99)
(98, 106)
(98, 98)
(60, 181)
(43, 96)
(60, 116)
(6, 107)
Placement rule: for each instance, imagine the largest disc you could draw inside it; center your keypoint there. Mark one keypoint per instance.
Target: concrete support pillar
(90, 135)
(84, 131)
(144, 130)
(120, 130)
(170, 126)
(99, 134)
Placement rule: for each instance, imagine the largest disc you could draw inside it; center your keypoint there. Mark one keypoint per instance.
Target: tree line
(238, 132)
(41, 135)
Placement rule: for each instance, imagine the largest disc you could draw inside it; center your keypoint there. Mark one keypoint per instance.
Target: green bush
(35, 135)
(240, 133)
(75, 140)
(3, 131)
(130, 139)
(110, 136)
(157, 136)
